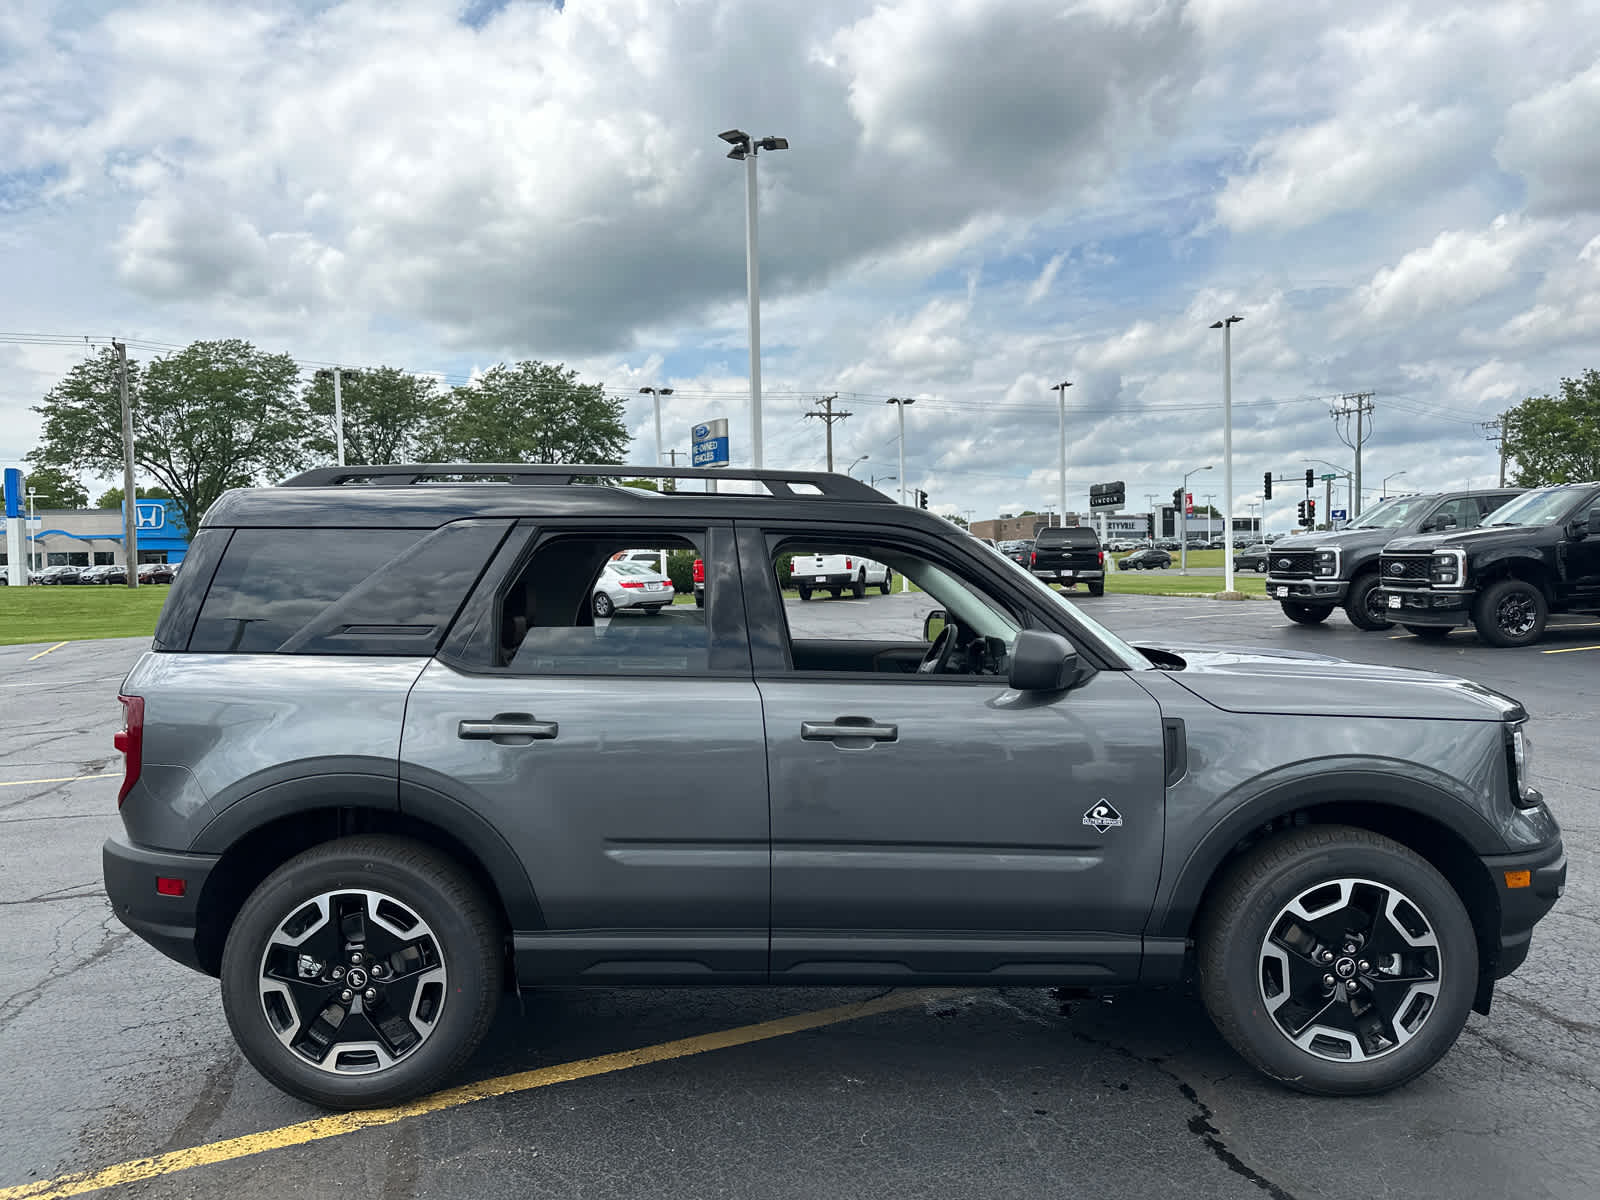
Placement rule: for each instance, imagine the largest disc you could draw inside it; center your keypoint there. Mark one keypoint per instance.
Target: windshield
(1537, 508)
(1392, 514)
(1126, 654)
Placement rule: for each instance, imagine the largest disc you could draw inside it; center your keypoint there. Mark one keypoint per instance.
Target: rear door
(621, 760)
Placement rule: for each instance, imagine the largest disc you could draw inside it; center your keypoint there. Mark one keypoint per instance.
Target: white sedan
(627, 584)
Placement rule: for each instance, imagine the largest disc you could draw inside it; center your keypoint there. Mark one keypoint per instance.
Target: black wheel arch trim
(1178, 902)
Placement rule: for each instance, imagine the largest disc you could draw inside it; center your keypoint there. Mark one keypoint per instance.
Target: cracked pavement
(108, 1051)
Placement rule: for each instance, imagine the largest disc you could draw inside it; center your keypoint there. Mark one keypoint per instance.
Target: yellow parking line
(63, 779)
(42, 653)
(1570, 650)
(250, 1144)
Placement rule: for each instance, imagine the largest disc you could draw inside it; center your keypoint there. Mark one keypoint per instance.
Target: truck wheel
(858, 589)
(1511, 612)
(1306, 614)
(805, 593)
(1097, 589)
(888, 580)
(1337, 961)
(1361, 604)
(362, 972)
(836, 592)
(1428, 633)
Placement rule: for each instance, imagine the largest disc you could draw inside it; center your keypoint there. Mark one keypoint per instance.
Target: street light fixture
(851, 468)
(1386, 478)
(1183, 547)
(657, 393)
(900, 403)
(1060, 389)
(745, 150)
(1227, 447)
(33, 543)
(875, 480)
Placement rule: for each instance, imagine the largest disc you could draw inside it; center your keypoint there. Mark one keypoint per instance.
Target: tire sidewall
(1485, 617)
(1355, 605)
(602, 605)
(468, 979)
(1271, 1050)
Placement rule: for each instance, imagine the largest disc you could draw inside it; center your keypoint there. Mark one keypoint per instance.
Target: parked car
(1313, 573)
(1018, 552)
(55, 576)
(1252, 558)
(1069, 554)
(1148, 559)
(837, 573)
(1537, 555)
(457, 807)
(626, 584)
(155, 573)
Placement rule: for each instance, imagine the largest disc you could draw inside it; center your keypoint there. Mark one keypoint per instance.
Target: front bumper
(1308, 591)
(1423, 606)
(1521, 908)
(167, 922)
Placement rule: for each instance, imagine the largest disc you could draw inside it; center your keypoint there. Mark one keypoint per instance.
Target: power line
(1494, 432)
(827, 416)
(1359, 406)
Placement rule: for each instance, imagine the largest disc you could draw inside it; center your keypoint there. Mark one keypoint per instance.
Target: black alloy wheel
(1511, 612)
(1365, 605)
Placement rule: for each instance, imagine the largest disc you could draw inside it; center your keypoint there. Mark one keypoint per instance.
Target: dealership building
(84, 537)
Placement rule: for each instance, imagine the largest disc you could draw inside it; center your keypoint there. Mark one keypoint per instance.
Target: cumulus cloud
(1455, 270)
(1551, 139)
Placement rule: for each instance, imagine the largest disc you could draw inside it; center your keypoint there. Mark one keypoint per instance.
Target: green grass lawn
(1144, 584)
(71, 614)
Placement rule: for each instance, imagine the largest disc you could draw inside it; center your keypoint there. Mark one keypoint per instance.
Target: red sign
(1188, 504)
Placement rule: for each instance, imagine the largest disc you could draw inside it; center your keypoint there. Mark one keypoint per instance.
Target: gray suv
(384, 763)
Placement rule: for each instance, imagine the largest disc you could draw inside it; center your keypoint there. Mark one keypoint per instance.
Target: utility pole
(338, 416)
(1060, 389)
(130, 501)
(672, 452)
(1327, 500)
(1495, 433)
(828, 417)
(1358, 405)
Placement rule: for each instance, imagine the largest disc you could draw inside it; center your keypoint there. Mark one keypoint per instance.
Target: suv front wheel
(362, 972)
(1306, 614)
(1511, 612)
(1337, 961)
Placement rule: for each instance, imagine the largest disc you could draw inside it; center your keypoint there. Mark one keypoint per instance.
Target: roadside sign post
(708, 446)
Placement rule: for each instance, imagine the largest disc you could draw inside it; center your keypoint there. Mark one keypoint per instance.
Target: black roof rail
(786, 484)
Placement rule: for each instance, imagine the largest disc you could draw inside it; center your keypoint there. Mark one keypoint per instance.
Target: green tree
(112, 497)
(1556, 439)
(531, 412)
(959, 520)
(213, 416)
(56, 489)
(385, 412)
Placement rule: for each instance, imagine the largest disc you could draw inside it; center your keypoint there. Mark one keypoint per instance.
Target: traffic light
(922, 498)
(1266, 486)
(1300, 513)
(1177, 497)
(1311, 514)
(1311, 479)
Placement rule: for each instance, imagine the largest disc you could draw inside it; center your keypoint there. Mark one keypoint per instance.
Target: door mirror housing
(1593, 526)
(1442, 522)
(933, 624)
(1042, 662)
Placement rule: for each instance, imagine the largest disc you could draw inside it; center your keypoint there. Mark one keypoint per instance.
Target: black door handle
(508, 729)
(848, 729)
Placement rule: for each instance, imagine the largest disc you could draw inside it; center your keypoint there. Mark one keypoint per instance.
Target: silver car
(625, 583)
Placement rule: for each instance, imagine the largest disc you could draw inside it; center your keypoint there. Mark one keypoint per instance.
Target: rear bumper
(645, 599)
(167, 922)
(1425, 607)
(1308, 591)
(832, 580)
(1521, 908)
(1063, 573)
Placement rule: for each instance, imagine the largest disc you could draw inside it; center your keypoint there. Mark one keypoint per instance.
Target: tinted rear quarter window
(1057, 536)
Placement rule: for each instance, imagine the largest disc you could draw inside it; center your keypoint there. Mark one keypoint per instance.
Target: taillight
(632, 583)
(129, 742)
(1102, 558)
(700, 569)
(848, 565)
(792, 565)
(1033, 557)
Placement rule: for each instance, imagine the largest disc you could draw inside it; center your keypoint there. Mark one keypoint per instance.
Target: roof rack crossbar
(778, 483)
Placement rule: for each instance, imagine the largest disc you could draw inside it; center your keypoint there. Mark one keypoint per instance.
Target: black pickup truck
(1069, 554)
(1537, 555)
(1311, 574)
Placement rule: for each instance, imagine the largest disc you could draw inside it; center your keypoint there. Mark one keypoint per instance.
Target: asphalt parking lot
(110, 1054)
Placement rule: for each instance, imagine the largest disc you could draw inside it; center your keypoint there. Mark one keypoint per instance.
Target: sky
(982, 199)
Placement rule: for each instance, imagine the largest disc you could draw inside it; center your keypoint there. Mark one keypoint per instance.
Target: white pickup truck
(835, 573)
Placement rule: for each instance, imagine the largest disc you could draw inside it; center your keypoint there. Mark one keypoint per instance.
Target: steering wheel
(937, 660)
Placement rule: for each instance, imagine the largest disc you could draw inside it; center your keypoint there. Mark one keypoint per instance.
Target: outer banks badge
(1103, 817)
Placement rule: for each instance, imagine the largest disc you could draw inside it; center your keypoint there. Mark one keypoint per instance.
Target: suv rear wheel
(1337, 961)
(1306, 614)
(1511, 612)
(362, 972)
(1364, 603)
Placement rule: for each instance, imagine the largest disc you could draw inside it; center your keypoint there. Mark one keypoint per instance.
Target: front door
(621, 758)
(938, 823)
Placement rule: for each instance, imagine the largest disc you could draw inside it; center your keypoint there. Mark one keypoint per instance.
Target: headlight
(1522, 789)
(1327, 564)
(1448, 568)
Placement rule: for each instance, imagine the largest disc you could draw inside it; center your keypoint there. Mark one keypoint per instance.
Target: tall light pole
(1227, 448)
(1060, 389)
(874, 480)
(656, 394)
(851, 468)
(900, 403)
(1386, 478)
(745, 150)
(33, 545)
(1183, 547)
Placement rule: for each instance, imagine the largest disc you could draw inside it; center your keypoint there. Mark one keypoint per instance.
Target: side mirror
(1042, 662)
(1442, 522)
(1594, 521)
(933, 624)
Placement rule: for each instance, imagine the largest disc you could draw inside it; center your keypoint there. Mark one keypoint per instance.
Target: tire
(836, 592)
(1358, 604)
(888, 582)
(805, 593)
(1428, 633)
(1511, 612)
(1248, 969)
(461, 948)
(602, 605)
(858, 589)
(1097, 589)
(699, 600)
(1306, 614)
(1261, 568)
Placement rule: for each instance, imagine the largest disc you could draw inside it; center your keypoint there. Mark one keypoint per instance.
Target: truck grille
(1291, 562)
(1405, 568)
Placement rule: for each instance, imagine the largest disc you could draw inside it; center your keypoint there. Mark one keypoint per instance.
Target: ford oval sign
(1397, 568)
(702, 432)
